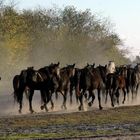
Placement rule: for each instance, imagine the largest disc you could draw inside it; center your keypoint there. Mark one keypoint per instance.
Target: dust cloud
(8, 107)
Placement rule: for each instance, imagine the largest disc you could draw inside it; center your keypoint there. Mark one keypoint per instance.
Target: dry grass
(122, 120)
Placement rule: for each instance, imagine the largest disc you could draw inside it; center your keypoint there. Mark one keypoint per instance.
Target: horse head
(54, 69)
(31, 74)
(71, 70)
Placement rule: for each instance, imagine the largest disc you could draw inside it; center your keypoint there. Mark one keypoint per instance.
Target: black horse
(37, 80)
(89, 79)
(128, 78)
(135, 80)
(16, 81)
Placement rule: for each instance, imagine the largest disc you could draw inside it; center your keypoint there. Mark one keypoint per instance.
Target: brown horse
(66, 74)
(116, 82)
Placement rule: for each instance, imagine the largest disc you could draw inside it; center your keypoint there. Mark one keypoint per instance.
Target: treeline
(39, 37)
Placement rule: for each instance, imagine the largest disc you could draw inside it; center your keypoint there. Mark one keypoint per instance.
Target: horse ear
(93, 64)
(58, 63)
(105, 66)
(87, 64)
(74, 65)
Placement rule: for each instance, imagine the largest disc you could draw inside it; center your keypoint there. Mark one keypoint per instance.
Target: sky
(124, 14)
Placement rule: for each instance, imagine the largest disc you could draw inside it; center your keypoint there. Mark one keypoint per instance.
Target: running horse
(36, 80)
(66, 74)
(116, 82)
(135, 80)
(89, 79)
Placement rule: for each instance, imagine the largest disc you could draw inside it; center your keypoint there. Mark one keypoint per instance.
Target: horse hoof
(122, 102)
(42, 107)
(101, 108)
(19, 112)
(90, 104)
(52, 108)
(112, 105)
(32, 111)
(79, 108)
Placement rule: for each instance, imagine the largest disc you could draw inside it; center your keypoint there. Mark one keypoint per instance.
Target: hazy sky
(125, 14)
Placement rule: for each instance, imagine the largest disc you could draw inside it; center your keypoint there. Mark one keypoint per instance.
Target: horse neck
(47, 72)
(64, 74)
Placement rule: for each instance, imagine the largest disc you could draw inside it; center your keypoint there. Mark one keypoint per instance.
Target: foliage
(37, 37)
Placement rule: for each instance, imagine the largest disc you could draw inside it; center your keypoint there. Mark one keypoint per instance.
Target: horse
(135, 80)
(73, 85)
(16, 80)
(66, 74)
(53, 76)
(36, 80)
(115, 82)
(89, 79)
(129, 79)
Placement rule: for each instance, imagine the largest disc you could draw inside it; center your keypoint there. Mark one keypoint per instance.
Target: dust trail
(8, 107)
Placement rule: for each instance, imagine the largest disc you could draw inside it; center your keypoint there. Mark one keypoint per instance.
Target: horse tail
(15, 97)
(18, 94)
(16, 87)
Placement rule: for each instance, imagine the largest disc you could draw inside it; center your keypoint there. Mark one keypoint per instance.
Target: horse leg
(20, 98)
(111, 94)
(49, 98)
(137, 87)
(99, 99)
(81, 102)
(132, 91)
(106, 96)
(52, 104)
(124, 95)
(127, 90)
(20, 106)
(77, 98)
(30, 101)
(65, 99)
(117, 95)
(71, 93)
(91, 93)
(43, 98)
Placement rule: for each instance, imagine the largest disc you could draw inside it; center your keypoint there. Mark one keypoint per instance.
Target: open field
(113, 123)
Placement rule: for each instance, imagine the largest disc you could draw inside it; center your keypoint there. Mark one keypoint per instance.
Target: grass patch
(66, 134)
(15, 125)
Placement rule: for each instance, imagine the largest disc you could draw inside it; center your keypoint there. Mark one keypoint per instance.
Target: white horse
(111, 67)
